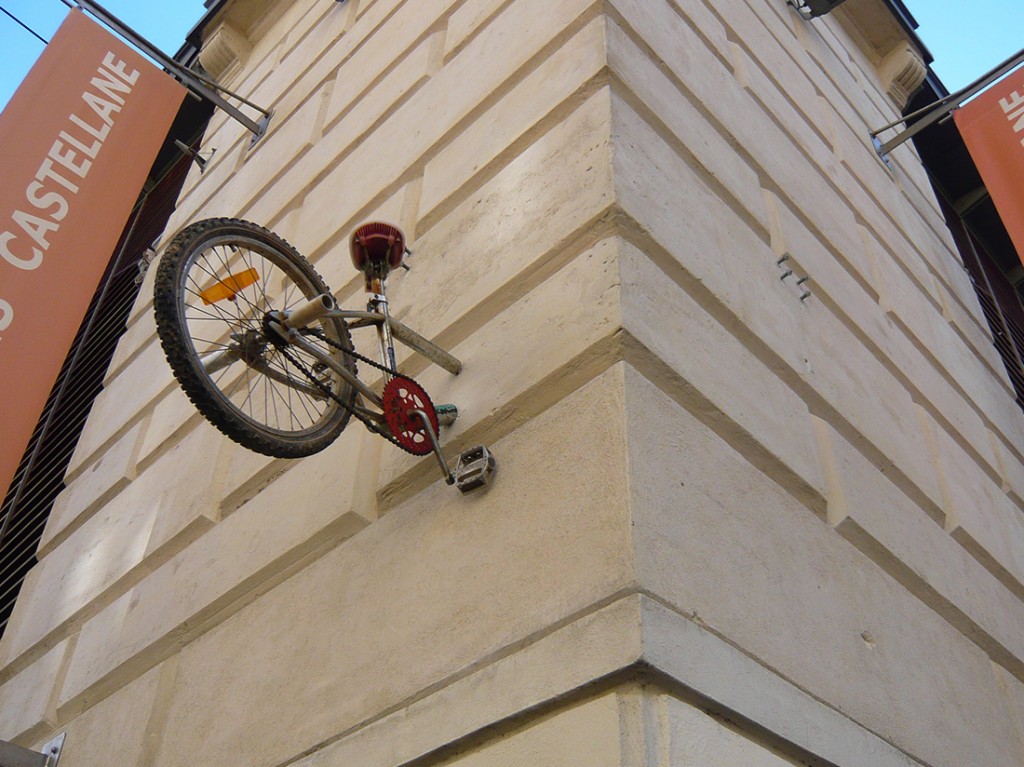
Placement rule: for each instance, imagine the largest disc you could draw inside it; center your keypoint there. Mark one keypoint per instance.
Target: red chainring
(401, 397)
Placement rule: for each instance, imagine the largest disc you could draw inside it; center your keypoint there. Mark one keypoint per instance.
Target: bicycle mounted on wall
(257, 342)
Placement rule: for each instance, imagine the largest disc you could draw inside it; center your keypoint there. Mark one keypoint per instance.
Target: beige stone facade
(731, 525)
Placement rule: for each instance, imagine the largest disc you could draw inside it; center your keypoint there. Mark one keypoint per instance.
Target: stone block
(115, 730)
(466, 20)
(783, 90)
(1013, 690)
(912, 261)
(786, 31)
(966, 368)
(690, 736)
(736, 385)
(180, 490)
(744, 123)
(737, 687)
(413, 600)
(173, 416)
(512, 232)
(288, 136)
(547, 675)
(141, 331)
(93, 485)
(250, 551)
(374, 5)
(852, 64)
(887, 268)
(933, 242)
(450, 96)
(27, 705)
(86, 567)
(1011, 470)
(183, 489)
(898, 535)
(491, 138)
(942, 372)
(551, 666)
(717, 540)
(712, 243)
(304, 18)
(247, 181)
(362, 99)
(124, 400)
(841, 279)
(707, 20)
(974, 332)
(969, 321)
(334, 39)
(588, 733)
(978, 515)
(665, 103)
(733, 273)
(246, 473)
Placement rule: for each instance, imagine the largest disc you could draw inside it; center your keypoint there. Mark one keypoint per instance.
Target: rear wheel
(215, 285)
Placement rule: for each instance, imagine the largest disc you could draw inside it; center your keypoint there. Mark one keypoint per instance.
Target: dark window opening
(985, 247)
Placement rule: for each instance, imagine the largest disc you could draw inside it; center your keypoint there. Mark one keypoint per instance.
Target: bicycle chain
(369, 424)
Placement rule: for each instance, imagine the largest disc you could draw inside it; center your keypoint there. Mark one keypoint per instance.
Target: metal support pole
(195, 82)
(933, 113)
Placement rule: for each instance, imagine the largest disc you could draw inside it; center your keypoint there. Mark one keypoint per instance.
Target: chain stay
(369, 424)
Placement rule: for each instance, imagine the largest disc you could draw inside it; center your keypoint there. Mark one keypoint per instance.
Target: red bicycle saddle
(375, 245)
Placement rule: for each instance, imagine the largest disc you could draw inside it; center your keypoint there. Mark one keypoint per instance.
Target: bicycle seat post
(378, 303)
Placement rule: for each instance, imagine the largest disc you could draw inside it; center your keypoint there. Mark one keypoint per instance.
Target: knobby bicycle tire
(214, 285)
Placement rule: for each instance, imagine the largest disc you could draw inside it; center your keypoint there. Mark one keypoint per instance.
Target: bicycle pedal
(475, 469)
(446, 414)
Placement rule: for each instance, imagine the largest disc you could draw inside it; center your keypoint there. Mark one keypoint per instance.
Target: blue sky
(163, 22)
(966, 37)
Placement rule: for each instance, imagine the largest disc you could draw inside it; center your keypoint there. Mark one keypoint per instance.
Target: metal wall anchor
(17, 756)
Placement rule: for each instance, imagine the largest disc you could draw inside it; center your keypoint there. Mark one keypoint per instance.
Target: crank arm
(449, 478)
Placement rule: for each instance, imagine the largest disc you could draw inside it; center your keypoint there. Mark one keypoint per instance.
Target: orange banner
(993, 129)
(77, 141)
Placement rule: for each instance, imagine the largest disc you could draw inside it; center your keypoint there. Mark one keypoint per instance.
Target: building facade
(739, 518)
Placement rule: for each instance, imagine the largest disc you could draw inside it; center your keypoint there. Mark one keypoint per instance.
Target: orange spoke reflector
(229, 287)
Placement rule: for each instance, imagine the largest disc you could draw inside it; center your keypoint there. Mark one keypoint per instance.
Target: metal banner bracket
(941, 109)
(18, 756)
(197, 85)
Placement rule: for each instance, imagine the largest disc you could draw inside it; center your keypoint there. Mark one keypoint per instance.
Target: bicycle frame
(289, 324)
(324, 307)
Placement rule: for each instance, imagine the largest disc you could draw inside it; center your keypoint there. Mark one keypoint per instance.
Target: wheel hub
(252, 346)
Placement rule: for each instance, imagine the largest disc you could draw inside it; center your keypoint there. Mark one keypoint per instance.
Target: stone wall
(732, 524)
